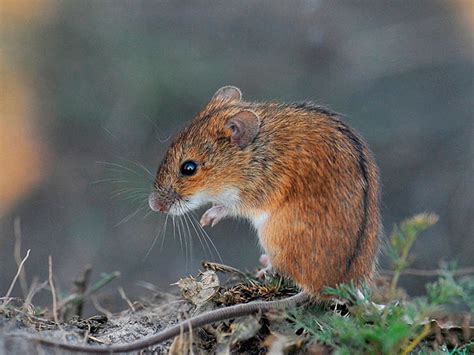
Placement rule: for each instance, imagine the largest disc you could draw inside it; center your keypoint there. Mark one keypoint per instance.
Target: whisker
(199, 229)
(186, 257)
(210, 240)
(198, 235)
(179, 235)
(128, 185)
(129, 193)
(119, 166)
(117, 180)
(140, 198)
(149, 213)
(182, 211)
(164, 233)
(109, 132)
(183, 240)
(190, 238)
(128, 217)
(143, 167)
(142, 190)
(158, 129)
(161, 233)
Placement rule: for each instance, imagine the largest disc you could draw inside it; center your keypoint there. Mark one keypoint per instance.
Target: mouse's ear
(243, 128)
(228, 93)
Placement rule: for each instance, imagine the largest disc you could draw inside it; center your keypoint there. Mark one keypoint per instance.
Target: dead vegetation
(382, 319)
(145, 318)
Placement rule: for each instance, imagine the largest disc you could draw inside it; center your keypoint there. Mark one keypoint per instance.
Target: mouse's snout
(162, 201)
(155, 203)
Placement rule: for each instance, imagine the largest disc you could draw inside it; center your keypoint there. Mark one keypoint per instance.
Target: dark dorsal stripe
(359, 147)
(310, 106)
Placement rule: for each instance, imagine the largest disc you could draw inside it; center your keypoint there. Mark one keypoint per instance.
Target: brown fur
(311, 173)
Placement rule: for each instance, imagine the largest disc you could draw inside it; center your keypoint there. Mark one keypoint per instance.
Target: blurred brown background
(84, 82)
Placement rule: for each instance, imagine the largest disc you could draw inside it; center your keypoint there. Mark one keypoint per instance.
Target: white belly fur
(259, 221)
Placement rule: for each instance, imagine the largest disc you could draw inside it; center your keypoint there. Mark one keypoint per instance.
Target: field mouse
(305, 180)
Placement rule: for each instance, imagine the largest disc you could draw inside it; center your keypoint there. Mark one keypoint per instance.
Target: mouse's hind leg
(264, 260)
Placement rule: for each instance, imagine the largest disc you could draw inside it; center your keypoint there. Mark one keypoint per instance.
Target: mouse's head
(207, 161)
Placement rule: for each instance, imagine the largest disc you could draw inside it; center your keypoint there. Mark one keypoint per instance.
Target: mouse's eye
(188, 168)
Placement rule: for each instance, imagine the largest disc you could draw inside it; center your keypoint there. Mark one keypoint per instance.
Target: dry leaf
(281, 344)
(241, 330)
(199, 292)
(180, 345)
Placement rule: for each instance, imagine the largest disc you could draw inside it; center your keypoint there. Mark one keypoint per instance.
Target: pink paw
(264, 260)
(262, 273)
(213, 215)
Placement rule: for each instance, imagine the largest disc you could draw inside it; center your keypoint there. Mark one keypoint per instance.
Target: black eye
(188, 168)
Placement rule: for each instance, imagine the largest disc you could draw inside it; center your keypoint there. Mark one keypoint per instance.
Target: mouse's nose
(155, 203)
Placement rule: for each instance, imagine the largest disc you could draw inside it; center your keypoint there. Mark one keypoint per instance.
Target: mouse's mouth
(184, 205)
(174, 204)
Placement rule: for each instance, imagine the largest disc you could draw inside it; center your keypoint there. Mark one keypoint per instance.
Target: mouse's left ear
(228, 93)
(243, 128)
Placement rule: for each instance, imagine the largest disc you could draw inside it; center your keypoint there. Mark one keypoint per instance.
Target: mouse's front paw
(213, 215)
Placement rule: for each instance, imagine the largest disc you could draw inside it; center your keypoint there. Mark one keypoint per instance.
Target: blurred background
(92, 90)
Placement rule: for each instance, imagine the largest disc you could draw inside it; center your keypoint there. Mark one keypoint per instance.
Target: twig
(53, 290)
(191, 352)
(148, 286)
(94, 288)
(430, 273)
(223, 268)
(17, 254)
(425, 332)
(97, 340)
(34, 289)
(81, 285)
(87, 333)
(20, 267)
(466, 329)
(178, 345)
(399, 267)
(125, 298)
(101, 309)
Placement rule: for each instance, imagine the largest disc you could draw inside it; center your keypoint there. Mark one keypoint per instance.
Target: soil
(252, 334)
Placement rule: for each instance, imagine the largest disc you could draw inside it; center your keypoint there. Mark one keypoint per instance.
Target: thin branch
(20, 267)
(125, 298)
(81, 285)
(53, 290)
(17, 254)
(424, 333)
(99, 341)
(75, 297)
(100, 308)
(35, 287)
(217, 267)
